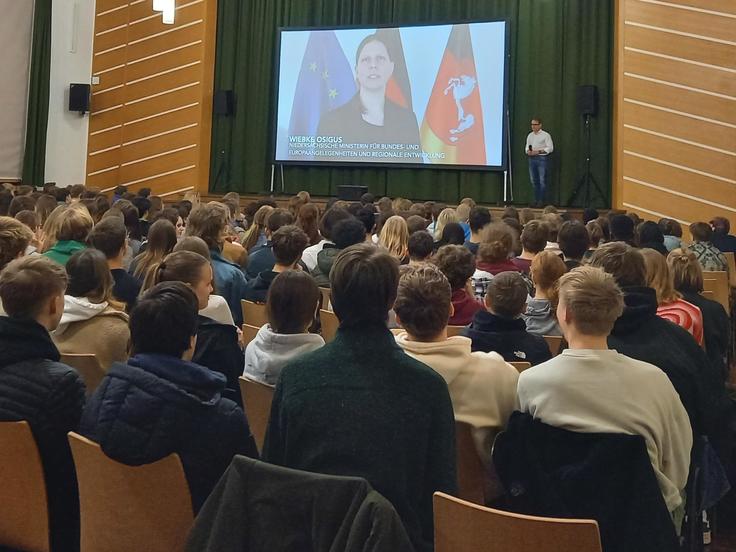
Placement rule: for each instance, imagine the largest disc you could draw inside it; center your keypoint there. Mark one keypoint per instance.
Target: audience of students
(708, 255)
(92, 322)
(670, 304)
(540, 316)
(501, 328)
(405, 447)
(590, 388)
(36, 387)
(291, 306)
(457, 264)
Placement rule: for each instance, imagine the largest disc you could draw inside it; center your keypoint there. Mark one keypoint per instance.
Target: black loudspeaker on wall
(79, 97)
(588, 99)
(224, 103)
(351, 193)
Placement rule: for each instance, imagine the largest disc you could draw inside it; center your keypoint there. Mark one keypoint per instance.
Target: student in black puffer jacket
(160, 402)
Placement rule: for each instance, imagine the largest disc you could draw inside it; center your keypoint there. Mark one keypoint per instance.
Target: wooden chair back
(89, 369)
(330, 323)
(124, 508)
(554, 342)
(254, 313)
(461, 526)
(249, 333)
(471, 474)
(731, 263)
(454, 330)
(325, 298)
(257, 399)
(521, 366)
(717, 282)
(24, 521)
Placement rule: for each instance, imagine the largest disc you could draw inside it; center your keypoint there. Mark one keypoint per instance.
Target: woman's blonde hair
(395, 236)
(687, 274)
(51, 228)
(447, 215)
(258, 226)
(659, 277)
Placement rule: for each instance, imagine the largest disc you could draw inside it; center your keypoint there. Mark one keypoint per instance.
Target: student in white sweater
(591, 389)
(482, 386)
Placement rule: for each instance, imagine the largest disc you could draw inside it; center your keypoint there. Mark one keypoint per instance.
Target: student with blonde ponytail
(395, 238)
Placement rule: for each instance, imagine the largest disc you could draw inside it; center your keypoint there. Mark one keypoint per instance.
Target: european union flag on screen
(325, 82)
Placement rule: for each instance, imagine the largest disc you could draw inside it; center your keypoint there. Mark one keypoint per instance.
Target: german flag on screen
(398, 89)
(453, 122)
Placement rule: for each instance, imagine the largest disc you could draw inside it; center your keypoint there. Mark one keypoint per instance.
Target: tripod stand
(587, 178)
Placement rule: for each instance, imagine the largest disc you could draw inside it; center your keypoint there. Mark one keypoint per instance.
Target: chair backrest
(249, 333)
(521, 366)
(257, 398)
(24, 518)
(461, 526)
(554, 342)
(89, 369)
(325, 298)
(471, 474)
(254, 313)
(124, 508)
(330, 323)
(454, 330)
(731, 263)
(717, 282)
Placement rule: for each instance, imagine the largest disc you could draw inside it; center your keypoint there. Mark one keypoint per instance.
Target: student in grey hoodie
(545, 270)
(292, 303)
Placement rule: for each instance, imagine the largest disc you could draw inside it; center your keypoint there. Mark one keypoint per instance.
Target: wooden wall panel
(151, 111)
(675, 109)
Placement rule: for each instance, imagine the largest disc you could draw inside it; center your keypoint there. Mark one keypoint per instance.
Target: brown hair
(258, 226)
(526, 216)
(423, 300)
(546, 269)
(308, 221)
(288, 243)
(108, 236)
(278, 218)
(161, 240)
(534, 236)
(208, 222)
(90, 277)
(496, 242)
(14, 239)
(74, 224)
(457, 264)
(506, 295)
(592, 298)
(687, 274)
(701, 231)
(292, 301)
(29, 218)
(595, 233)
(180, 266)
(44, 206)
(622, 261)
(659, 277)
(294, 204)
(26, 285)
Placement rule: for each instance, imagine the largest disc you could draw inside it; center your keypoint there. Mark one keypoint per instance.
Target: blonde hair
(469, 201)
(258, 226)
(593, 299)
(463, 212)
(395, 237)
(659, 277)
(445, 216)
(687, 274)
(51, 228)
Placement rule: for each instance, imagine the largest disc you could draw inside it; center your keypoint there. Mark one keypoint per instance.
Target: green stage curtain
(555, 46)
(34, 157)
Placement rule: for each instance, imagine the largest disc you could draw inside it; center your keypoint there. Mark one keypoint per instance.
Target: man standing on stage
(538, 147)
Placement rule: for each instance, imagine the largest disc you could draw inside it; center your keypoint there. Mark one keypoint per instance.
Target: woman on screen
(370, 117)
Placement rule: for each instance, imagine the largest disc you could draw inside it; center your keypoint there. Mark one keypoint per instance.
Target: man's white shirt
(540, 141)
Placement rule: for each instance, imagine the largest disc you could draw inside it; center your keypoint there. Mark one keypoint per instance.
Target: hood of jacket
(326, 258)
(640, 304)
(540, 318)
(24, 340)
(448, 358)
(78, 309)
(140, 401)
(269, 352)
(67, 247)
(485, 321)
(496, 268)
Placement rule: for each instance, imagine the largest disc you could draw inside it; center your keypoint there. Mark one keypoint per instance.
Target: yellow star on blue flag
(333, 93)
(313, 66)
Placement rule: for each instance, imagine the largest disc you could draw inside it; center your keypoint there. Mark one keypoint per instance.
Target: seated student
(573, 239)
(458, 265)
(93, 322)
(708, 255)
(533, 241)
(482, 386)
(641, 334)
(394, 237)
(595, 237)
(109, 236)
(161, 240)
(346, 232)
(649, 236)
(493, 256)
(328, 220)
(30, 219)
(262, 258)
(591, 389)
(553, 221)
(160, 402)
(501, 328)
(479, 218)
(463, 214)
(670, 304)
(622, 229)
(725, 242)
(420, 247)
(255, 236)
(540, 317)
(292, 304)
(73, 226)
(36, 387)
(217, 308)
(415, 223)
(209, 223)
(360, 406)
(15, 238)
(288, 244)
(672, 231)
(217, 345)
(688, 281)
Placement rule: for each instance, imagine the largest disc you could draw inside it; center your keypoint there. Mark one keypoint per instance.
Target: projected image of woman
(372, 118)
